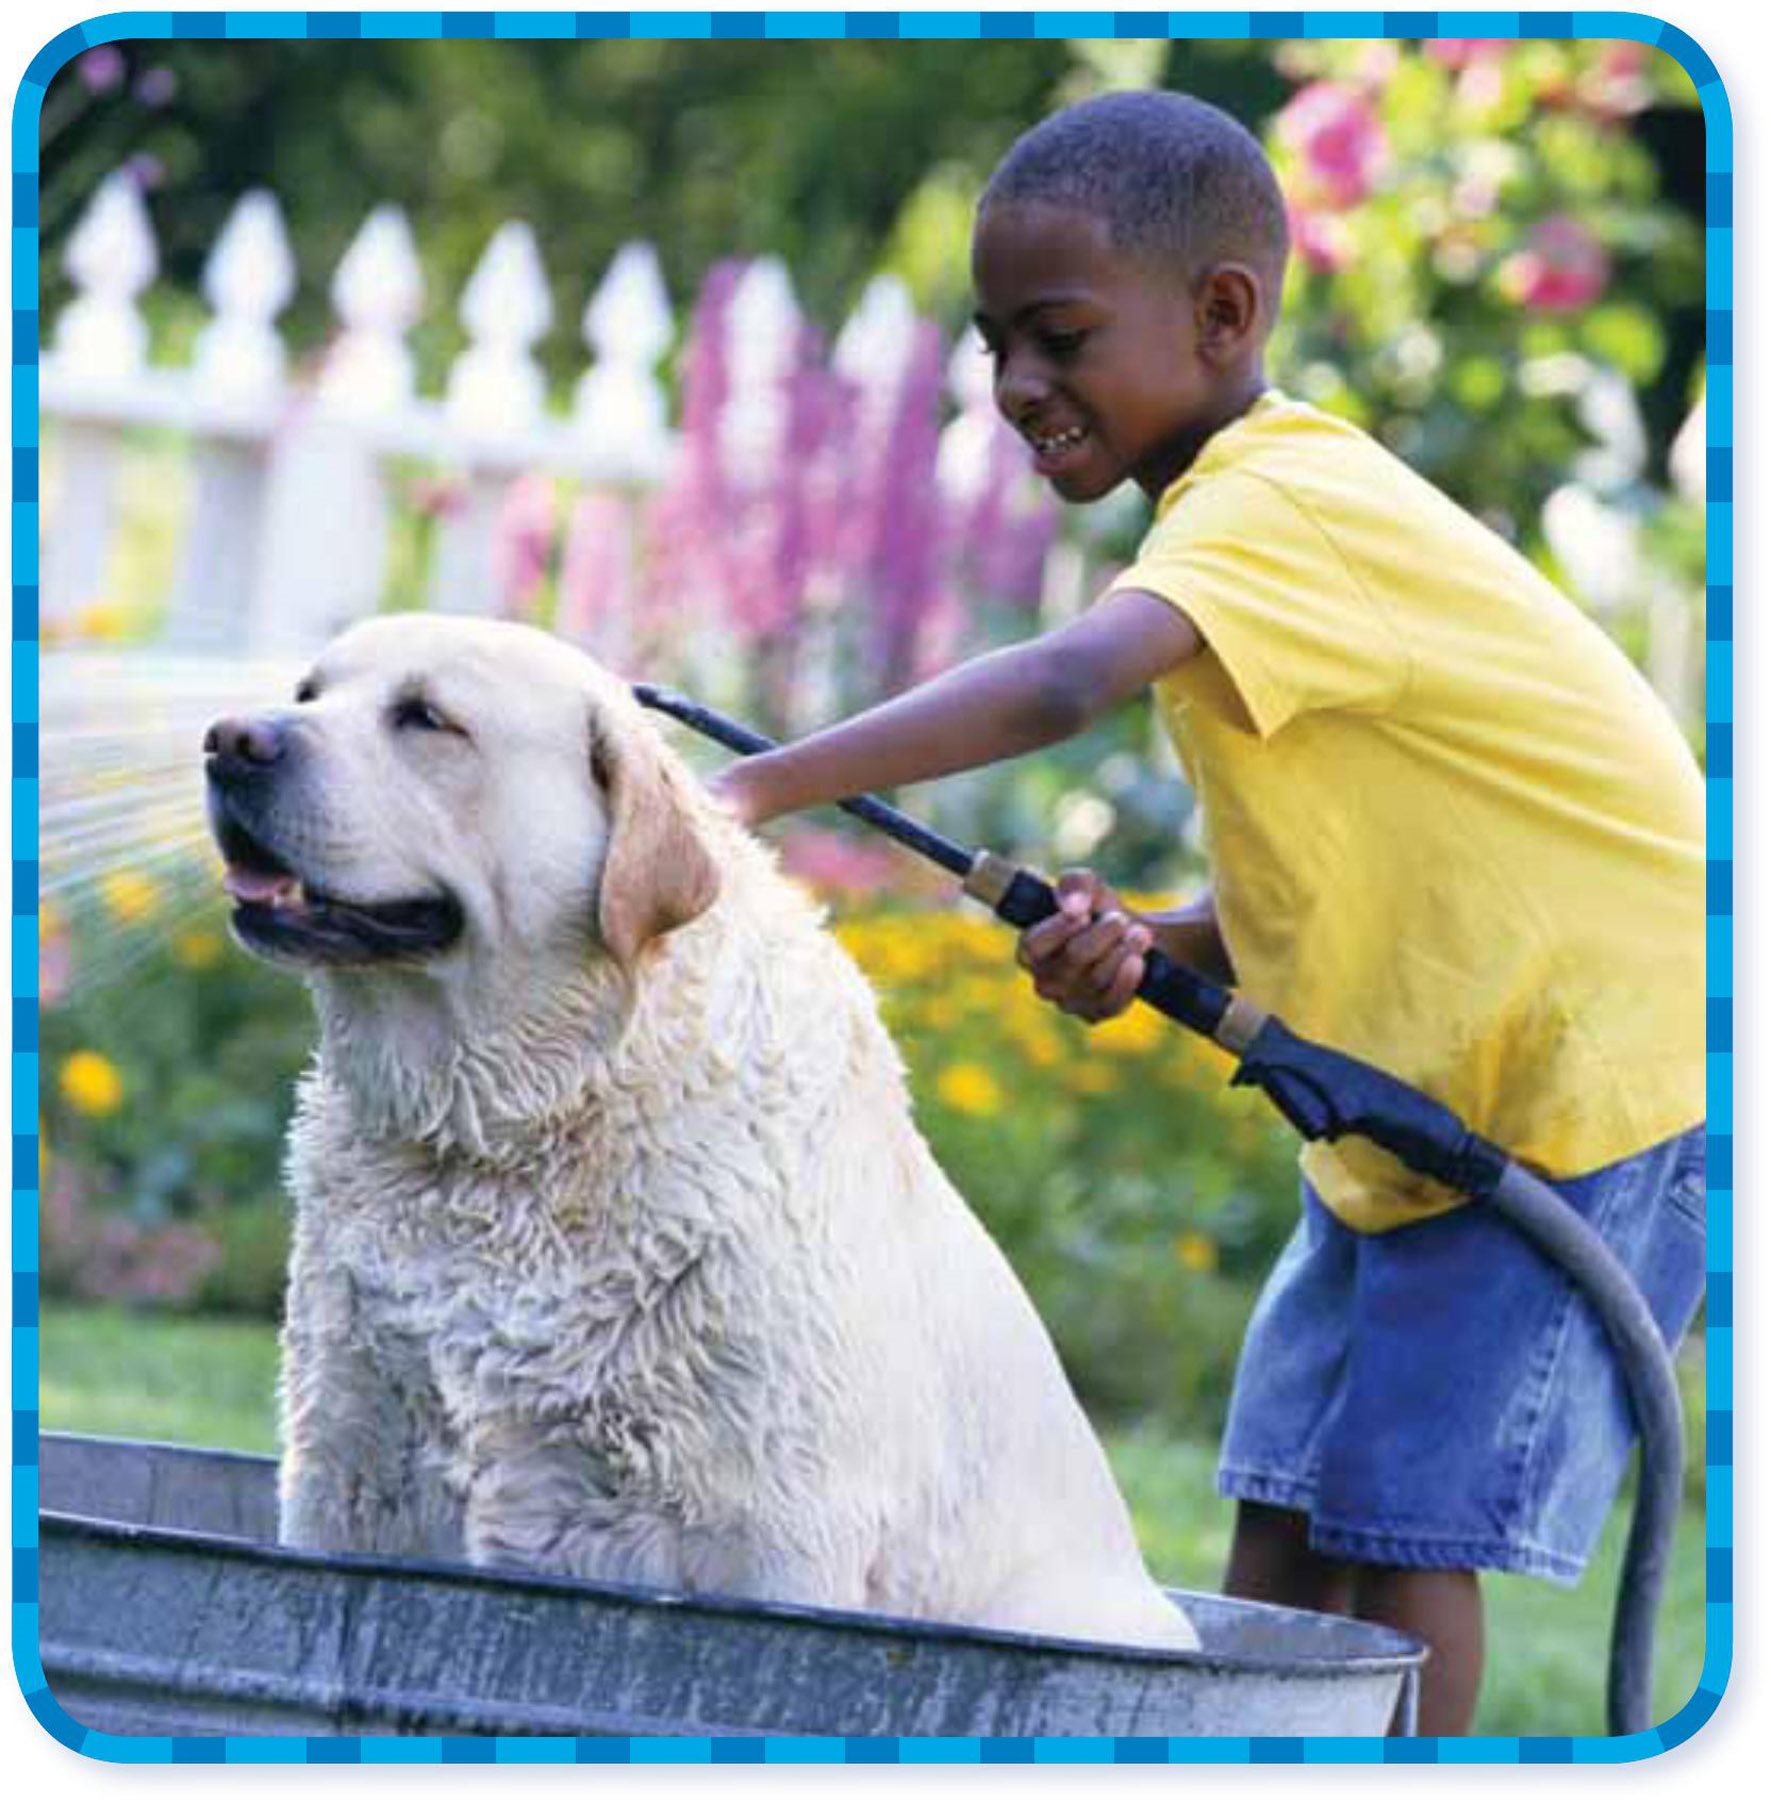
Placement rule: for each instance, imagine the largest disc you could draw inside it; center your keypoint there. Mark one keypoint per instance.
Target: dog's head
(445, 789)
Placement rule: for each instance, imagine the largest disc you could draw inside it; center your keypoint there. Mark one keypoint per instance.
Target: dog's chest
(511, 1312)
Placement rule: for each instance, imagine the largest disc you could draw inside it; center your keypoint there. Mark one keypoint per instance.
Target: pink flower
(1617, 84)
(1562, 268)
(597, 576)
(903, 547)
(1338, 140)
(55, 966)
(436, 497)
(1481, 86)
(145, 170)
(1459, 53)
(1377, 64)
(836, 863)
(522, 544)
(100, 70)
(1321, 239)
(1002, 541)
(156, 86)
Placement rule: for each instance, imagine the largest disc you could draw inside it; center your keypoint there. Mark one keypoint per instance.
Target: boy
(1451, 831)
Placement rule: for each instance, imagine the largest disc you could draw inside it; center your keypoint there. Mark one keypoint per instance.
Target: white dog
(617, 1253)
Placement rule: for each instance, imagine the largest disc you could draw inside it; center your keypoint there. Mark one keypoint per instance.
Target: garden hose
(1325, 1094)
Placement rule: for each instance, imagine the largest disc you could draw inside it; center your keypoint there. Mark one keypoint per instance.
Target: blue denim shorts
(1438, 1395)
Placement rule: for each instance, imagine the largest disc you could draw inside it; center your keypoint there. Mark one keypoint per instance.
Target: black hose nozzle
(1325, 1094)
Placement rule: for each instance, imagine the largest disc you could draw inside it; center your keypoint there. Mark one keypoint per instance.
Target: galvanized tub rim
(1391, 1650)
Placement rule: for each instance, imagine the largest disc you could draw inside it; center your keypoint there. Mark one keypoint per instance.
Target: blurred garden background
(1498, 270)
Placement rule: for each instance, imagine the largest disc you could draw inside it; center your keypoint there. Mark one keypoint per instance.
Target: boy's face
(1098, 361)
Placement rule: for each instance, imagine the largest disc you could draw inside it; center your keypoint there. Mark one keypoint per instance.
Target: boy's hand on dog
(1088, 958)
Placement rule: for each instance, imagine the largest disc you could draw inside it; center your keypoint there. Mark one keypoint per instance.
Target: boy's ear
(1227, 311)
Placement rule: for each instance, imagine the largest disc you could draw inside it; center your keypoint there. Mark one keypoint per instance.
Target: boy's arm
(997, 706)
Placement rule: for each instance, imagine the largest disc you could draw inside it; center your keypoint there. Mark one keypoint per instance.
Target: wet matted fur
(617, 1251)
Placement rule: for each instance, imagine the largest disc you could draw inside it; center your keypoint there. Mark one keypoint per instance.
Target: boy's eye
(1062, 346)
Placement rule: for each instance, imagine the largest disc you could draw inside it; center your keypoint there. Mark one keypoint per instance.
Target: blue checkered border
(638, 1750)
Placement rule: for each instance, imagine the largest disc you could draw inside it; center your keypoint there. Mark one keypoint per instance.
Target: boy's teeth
(1060, 441)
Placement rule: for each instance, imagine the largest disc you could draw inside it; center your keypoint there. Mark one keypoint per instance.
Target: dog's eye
(306, 691)
(415, 712)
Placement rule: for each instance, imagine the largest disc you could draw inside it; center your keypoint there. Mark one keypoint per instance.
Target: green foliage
(169, 1063)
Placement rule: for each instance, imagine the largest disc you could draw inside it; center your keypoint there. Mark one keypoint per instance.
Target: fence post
(95, 358)
(496, 396)
(323, 548)
(618, 407)
(237, 380)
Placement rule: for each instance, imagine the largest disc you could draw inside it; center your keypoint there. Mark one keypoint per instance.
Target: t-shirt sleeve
(1273, 599)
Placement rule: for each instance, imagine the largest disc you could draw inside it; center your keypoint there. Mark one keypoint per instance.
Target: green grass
(212, 1382)
(199, 1381)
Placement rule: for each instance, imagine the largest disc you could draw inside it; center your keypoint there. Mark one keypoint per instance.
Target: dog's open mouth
(277, 914)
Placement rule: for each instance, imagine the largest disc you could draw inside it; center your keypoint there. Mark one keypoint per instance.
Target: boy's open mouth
(1052, 449)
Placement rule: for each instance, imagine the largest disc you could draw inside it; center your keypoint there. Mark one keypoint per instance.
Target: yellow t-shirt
(1452, 830)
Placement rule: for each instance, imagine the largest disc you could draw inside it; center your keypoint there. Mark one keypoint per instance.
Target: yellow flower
(49, 921)
(102, 620)
(969, 1088)
(1039, 1044)
(940, 1011)
(1197, 1251)
(1093, 1079)
(1131, 1034)
(92, 1083)
(198, 949)
(129, 895)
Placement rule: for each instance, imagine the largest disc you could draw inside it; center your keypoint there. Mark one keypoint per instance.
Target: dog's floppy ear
(657, 873)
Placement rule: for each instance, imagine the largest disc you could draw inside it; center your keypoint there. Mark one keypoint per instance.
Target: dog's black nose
(238, 745)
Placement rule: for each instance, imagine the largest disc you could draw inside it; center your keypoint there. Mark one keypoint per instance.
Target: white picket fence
(292, 497)
(289, 523)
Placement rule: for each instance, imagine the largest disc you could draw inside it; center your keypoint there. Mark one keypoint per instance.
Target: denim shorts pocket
(1688, 1193)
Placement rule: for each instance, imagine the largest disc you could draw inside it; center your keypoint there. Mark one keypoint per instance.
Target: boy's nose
(1019, 390)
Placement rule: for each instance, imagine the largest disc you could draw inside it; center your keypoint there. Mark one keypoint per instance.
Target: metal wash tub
(167, 1610)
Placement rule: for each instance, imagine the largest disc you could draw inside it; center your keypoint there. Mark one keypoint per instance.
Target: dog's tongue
(258, 885)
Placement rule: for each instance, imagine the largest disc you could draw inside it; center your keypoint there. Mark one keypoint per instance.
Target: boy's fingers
(1048, 937)
(1083, 884)
(1125, 984)
(1085, 976)
(1098, 943)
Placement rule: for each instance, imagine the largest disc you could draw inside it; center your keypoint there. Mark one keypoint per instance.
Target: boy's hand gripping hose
(1325, 1094)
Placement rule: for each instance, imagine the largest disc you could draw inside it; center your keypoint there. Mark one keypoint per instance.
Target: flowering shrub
(1479, 240)
(168, 1068)
(1334, 133)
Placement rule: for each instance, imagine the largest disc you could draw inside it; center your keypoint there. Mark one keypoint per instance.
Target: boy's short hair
(1177, 181)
